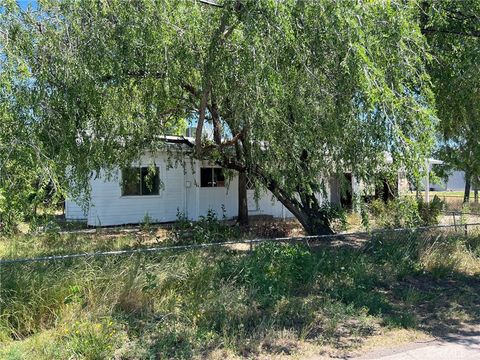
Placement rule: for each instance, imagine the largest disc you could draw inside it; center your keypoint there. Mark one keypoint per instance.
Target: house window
(140, 181)
(212, 177)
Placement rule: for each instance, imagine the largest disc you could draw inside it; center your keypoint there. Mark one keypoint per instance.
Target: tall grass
(183, 305)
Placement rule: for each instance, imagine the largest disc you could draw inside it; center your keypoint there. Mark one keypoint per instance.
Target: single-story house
(196, 187)
(192, 189)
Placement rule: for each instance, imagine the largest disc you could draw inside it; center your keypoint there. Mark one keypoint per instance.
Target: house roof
(173, 139)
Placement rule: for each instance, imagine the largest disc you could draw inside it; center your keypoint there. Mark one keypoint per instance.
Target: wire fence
(359, 240)
(459, 218)
(456, 203)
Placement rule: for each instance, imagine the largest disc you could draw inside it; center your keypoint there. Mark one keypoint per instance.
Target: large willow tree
(293, 89)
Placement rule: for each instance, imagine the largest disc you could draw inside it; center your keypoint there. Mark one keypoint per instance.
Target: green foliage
(335, 215)
(430, 212)
(396, 213)
(406, 212)
(450, 32)
(206, 230)
(328, 86)
(147, 222)
(276, 270)
(183, 305)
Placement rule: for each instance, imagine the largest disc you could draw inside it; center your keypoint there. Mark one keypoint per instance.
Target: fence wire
(408, 238)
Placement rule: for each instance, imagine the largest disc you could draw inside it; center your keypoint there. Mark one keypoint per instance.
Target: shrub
(397, 213)
(430, 212)
(406, 212)
(206, 230)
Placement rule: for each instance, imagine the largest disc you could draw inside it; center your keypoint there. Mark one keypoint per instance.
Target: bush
(207, 229)
(406, 212)
(430, 212)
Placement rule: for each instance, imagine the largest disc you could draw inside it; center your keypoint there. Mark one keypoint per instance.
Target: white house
(132, 194)
(455, 182)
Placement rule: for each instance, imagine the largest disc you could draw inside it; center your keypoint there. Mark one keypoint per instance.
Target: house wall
(181, 191)
(73, 211)
(455, 182)
(403, 185)
(109, 207)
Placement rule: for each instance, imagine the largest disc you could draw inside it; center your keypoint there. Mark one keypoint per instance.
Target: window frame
(140, 170)
(213, 176)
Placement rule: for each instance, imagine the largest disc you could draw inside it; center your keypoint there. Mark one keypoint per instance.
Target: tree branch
(211, 3)
(232, 141)
(201, 119)
(471, 33)
(217, 124)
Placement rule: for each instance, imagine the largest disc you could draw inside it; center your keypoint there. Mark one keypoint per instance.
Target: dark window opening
(346, 197)
(140, 181)
(212, 177)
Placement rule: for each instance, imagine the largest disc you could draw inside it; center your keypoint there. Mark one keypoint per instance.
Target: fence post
(454, 221)
(251, 246)
(466, 229)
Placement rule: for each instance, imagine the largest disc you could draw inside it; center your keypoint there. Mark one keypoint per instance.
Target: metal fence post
(466, 229)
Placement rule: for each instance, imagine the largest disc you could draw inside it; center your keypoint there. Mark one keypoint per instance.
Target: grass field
(278, 301)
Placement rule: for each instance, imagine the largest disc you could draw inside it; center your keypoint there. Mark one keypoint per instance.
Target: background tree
(293, 89)
(452, 29)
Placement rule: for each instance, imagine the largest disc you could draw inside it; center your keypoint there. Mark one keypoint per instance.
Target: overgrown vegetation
(206, 230)
(192, 304)
(406, 212)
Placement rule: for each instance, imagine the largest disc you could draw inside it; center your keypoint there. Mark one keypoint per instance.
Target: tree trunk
(475, 195)
(242, 198)
(466, 195)
(308, 212)
(312, 218)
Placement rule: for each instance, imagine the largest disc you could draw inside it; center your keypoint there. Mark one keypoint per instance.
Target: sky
(24, 3)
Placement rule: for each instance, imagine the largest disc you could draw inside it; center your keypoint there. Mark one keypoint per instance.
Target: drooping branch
(218, 38)
(217, 124)
(201, 119)
(471, 33)
(138, 74)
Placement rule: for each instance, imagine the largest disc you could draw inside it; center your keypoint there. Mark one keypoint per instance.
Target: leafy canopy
(313, 88)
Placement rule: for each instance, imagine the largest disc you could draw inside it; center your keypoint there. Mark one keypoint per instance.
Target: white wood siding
(181, 191)
(73, 211)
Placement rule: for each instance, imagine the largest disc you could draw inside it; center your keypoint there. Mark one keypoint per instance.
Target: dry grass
(280, 302)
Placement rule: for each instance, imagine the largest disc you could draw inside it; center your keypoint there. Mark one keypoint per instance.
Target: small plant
(430, 212)
(146, 222)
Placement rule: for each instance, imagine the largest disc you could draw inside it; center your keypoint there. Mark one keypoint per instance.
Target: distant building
(455, 182)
